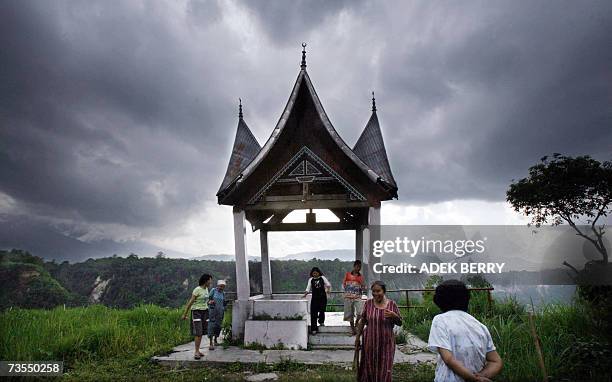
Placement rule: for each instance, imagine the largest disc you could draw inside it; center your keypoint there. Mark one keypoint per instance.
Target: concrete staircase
(332, 337)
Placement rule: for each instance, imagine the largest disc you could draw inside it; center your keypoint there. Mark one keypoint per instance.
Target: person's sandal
(211, 347)
(197, 356)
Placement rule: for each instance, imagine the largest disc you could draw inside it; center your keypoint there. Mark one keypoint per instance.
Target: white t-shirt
(325, 282)
(465, 337)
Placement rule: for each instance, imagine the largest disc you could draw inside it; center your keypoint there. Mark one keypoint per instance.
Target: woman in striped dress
(376, 322)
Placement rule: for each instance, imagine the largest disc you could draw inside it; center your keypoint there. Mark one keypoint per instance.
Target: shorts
(352, 308)
(199, 322)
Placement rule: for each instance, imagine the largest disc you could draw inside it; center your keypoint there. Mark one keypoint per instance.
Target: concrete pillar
(266, 274)
(374, 229)
(359, 244)
(242, 264)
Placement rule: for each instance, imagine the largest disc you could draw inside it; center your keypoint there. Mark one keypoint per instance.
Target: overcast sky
(117, 118)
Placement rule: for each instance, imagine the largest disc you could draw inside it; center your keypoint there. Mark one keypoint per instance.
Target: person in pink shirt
(353, 285)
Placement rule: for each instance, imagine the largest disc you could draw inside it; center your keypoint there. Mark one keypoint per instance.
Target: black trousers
(317, 311)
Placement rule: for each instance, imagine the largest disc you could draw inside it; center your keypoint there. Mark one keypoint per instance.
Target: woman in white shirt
(464, 345)
(320, 287)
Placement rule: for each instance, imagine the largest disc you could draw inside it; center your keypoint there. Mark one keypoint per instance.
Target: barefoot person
(216, 307)
(376, 322)
(465, 348)
(353, 285)
(320, 287)
(198, 306)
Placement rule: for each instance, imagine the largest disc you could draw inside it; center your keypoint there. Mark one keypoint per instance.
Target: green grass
(95, 333)
(100, 343)
(104, 344)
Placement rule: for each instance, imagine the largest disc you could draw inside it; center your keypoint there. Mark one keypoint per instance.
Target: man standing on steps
(353, 285)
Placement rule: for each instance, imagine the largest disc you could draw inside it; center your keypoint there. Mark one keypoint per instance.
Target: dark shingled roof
(245, 149)
(369, 154)
(370, 148)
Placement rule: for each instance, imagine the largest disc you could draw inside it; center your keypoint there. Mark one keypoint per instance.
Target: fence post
(407, 300)
(489, 299)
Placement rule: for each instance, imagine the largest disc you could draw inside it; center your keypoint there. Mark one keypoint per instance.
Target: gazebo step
(332, 347)
(332, 339)
(335, 329)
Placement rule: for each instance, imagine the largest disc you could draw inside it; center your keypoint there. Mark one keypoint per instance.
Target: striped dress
(378, 342)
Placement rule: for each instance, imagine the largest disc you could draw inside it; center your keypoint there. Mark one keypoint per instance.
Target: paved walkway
(414, 351)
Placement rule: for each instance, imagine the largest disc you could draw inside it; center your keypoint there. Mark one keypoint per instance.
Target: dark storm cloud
(123, 113)
(286, 22)
(98, 109)
(520, 83)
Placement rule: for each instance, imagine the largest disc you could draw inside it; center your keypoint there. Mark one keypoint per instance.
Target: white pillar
(359, 244)
(374, 228)
(266, 274)
(242, 263)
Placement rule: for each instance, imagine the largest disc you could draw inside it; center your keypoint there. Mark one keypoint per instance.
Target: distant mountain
(221, 257)
(327, 254)
(128, 281)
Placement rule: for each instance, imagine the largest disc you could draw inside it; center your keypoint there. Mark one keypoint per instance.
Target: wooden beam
(256, 218)
(343, 214)
(314, 204)
(284, 227)
(300, 197)
(279, 216)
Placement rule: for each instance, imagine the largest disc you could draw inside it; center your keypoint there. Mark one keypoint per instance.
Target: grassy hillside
(99, 343)
(25, 282)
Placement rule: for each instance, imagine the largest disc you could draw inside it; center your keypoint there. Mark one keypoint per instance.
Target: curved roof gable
(245, 149)
(370, 147)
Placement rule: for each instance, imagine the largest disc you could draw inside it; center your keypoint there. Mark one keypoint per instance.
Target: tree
(566, 189)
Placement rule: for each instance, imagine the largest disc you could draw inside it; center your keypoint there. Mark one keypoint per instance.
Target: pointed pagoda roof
(370, 148)
(244, 150)
(304, 103)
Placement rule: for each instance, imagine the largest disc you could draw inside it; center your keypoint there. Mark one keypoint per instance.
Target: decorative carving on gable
(307, 170)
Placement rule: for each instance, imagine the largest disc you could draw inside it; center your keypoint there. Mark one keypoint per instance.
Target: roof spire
(303, 65)
(239, 108)
(373, 102)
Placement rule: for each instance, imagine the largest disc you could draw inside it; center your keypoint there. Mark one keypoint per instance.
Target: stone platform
(414, 351)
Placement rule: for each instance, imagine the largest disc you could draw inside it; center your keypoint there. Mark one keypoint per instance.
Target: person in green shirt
(198, 306)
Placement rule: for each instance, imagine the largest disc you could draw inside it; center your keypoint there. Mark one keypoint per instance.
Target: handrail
(405, 291)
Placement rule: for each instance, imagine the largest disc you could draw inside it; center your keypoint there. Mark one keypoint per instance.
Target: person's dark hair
(316, 269)
(452, 295)
(204, 278)
(382, 285)
(356, 262)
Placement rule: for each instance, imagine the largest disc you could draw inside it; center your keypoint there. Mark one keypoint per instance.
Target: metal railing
(405, 292)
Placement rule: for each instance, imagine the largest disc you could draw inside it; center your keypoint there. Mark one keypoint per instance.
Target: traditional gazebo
(304, 165)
